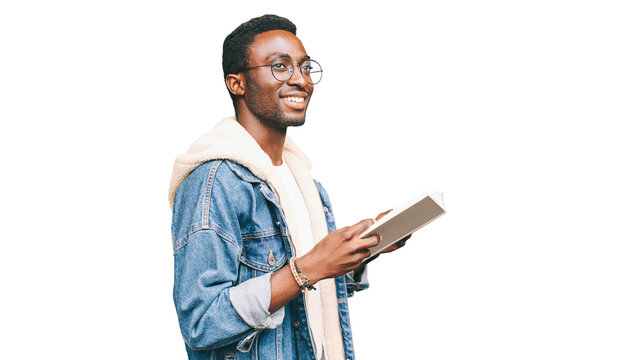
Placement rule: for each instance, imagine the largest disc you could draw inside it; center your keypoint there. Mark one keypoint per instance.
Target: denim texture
(229, 235)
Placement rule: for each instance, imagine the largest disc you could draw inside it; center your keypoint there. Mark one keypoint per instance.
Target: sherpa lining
(229, 140)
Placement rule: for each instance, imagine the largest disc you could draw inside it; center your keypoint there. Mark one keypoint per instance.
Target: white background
(520, 112)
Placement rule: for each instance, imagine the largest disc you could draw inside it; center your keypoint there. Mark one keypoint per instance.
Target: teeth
(294, 99)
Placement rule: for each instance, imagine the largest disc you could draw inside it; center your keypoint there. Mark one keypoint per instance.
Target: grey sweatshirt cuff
(251, 301)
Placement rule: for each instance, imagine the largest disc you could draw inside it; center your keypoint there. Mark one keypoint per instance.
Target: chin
(290, 120)
(298, 122)
(282, 120)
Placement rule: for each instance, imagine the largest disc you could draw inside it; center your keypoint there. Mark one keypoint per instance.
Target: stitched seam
(323, 195)
(181, 245)
(218, 232)
(177, 244)
(239, 173)
(195, 228)
(208, 190)
(255, 265)
(261, 234)
(217, 344)
(278, 341)
(269, 195)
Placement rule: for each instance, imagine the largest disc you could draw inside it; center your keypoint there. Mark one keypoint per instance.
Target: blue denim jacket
(228, 228)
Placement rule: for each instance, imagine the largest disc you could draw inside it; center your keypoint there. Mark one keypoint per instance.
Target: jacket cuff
(251, 301)
(356, 280)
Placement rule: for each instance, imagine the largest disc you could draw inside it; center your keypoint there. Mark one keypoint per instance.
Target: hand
(339, 252)
(396, 245)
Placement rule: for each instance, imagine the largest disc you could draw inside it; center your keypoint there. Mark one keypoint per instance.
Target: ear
(236, 83)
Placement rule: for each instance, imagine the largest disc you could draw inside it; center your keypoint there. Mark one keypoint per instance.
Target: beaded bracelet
(300, 278)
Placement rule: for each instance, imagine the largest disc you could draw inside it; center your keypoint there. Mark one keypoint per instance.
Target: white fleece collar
(229, 140)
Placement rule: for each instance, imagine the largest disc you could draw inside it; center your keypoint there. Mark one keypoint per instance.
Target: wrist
(308, 267)
(300, 278)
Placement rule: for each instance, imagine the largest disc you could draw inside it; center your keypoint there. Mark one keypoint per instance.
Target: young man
(251, 229)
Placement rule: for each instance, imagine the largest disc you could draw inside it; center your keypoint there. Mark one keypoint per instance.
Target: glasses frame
(291, 70)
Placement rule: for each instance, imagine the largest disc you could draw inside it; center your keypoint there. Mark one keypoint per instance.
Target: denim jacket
(229, 235)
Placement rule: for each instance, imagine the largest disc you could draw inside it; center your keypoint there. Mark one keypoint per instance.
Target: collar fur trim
(229, 140)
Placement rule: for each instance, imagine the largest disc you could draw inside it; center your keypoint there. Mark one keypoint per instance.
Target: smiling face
(276, 103)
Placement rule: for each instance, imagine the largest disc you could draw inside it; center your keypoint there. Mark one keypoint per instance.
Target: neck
(270, 139)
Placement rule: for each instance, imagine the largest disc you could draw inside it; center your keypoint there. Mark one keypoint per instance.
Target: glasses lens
(280, 69)
(312, 71)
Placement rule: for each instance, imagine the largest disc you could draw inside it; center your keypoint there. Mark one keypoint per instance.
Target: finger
(382, 214)
(361, 245)
(391, 248)
(368, 242)
(362, 255)
(398, 244)
(372, 258)
(357, 229)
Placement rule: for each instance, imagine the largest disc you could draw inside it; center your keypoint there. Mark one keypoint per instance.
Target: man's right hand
(339, 252)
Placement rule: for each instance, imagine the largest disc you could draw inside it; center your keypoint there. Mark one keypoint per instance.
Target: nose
(296, 77)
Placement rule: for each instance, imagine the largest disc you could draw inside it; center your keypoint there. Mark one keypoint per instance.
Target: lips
(296, 100)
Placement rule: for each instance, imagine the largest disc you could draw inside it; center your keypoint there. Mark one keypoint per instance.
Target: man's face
(277, 103)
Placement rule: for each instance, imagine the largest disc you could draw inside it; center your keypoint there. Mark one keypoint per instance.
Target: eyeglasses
(282, 70)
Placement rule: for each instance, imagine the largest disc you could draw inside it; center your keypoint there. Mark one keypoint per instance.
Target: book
(407, 218)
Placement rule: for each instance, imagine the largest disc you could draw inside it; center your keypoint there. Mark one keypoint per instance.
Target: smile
(294, 99)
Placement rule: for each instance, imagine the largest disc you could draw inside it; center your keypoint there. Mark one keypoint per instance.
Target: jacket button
(271, 260)
(296, 324)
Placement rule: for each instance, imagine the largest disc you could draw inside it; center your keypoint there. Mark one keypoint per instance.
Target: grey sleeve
(251, 301)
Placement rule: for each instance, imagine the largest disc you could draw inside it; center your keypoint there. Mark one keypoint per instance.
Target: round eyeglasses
(282, 70)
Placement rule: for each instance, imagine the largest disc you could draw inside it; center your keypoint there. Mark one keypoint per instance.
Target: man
(251, 229)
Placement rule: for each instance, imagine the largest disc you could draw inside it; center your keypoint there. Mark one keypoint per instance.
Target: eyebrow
(285, 55)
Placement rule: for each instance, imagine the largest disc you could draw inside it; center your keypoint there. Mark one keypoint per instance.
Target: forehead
(275, 42)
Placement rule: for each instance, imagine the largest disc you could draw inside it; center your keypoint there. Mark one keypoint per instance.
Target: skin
(262, 109)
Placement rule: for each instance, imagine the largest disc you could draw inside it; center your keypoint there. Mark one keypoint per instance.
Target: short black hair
(236, 44)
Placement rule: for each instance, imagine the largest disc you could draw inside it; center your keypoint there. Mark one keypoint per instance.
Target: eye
(279, 66)
(310, 67)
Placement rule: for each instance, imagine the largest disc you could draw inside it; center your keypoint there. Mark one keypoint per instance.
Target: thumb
(360, 227)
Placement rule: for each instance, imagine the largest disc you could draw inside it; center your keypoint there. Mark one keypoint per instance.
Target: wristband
(300, 278)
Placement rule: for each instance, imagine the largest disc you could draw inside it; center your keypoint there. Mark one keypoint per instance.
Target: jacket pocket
(263, 251)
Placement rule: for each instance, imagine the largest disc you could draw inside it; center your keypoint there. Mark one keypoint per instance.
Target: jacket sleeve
(356, 281)
(202, 280)
(212, 308)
